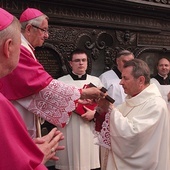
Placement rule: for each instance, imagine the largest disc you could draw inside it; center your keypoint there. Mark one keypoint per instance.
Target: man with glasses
(45, 31)
(33, 91)
(81, 152)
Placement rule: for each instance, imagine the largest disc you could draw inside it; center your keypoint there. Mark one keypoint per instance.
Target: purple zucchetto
(5, 19)
(30, 13)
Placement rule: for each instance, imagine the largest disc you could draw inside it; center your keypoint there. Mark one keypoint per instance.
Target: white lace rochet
(104, 135)
(55, 102)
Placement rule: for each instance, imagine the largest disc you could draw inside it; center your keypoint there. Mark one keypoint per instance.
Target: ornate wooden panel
(102, 28)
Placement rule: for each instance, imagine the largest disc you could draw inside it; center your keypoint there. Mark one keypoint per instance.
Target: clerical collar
(119, 74)
(135, 95)
(32, 48)
(162, 76)
(78, 77)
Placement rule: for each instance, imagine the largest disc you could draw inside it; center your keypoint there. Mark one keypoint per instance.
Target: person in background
(81, 153)
(135, 133)
(33, 91)
(110, 79)
(163, 68)
(162, 79)
(17, 149)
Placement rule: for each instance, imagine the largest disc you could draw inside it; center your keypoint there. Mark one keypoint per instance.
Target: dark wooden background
(102, 28)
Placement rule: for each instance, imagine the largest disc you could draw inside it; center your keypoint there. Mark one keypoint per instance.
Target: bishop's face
(38, 34)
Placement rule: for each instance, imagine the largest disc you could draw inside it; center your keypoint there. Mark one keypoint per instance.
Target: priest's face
(79, 63)
(132, 86)
(163, 67)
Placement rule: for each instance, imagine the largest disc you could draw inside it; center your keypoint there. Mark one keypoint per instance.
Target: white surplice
(111, 81)
(80, 153)
(138, 133)
(164, 90)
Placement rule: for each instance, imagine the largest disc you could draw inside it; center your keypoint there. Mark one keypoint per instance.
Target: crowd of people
(33, 94)
(133, 132)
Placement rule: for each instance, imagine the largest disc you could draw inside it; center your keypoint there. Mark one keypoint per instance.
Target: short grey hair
(124, 53)
(140, 68)
(9, 32)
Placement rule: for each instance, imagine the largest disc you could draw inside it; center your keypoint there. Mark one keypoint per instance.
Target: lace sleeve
(55, 102)
(103, 135)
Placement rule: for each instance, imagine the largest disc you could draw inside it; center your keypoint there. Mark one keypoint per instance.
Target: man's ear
(7, 47)
(142, 80)
(28, 28)
(117, 60)
(70, 64)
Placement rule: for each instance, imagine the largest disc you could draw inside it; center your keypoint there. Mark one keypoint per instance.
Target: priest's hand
(104, 105)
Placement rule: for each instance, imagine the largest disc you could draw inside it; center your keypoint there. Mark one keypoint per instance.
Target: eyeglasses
(78, 60)
(43, 30)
